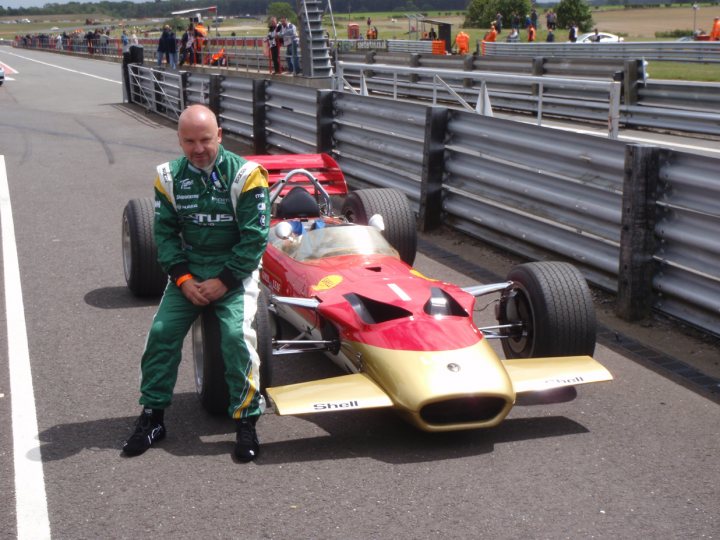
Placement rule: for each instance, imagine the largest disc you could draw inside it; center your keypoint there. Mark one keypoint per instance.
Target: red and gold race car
(338, 269)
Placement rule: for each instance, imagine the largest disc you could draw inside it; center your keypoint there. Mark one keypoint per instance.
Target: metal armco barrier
(438, 81)
(645, 105)
(690, 107)
(674, 51)
(528, 188)
(235, 105)
(686, 279)
(637, 219)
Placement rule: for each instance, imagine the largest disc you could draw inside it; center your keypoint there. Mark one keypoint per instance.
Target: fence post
(630, 82)
(637, 234)
(469, 65)
(415, 63)
(259, 114)
(436, 121)
(538, 70)
(214, 91)
(184, 76)
(324, 117)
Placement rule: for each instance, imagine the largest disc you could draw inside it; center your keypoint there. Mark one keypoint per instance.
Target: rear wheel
(143, 274)
(552, 311)
(208, 360)
(393, 206)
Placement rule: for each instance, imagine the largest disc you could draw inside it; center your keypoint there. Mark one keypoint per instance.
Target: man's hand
(212, 289)
(201, 293)
(191, 290)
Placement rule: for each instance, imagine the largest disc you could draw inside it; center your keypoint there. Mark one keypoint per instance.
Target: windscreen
(332, 241)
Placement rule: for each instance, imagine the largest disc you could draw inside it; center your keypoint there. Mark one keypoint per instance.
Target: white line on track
(65, 69)
(30, 499)
(8, 69)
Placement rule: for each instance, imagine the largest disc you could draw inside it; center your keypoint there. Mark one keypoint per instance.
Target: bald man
(212, 215)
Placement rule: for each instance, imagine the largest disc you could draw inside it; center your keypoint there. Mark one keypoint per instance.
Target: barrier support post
(436, 121)
(324, 118)
(214, 91)
(637, 233)
(259, 117)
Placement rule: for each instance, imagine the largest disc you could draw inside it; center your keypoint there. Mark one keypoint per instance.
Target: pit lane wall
(638, 220)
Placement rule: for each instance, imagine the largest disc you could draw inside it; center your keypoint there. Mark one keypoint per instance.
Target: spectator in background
(462, 41)
(90, 41)
(595, 38)
(186, 45)
(162, 46)
(514, 36)
(534, 18)
(531, 33)
(572, 33)
(715, 32)
(125, 41)
(104, 42)
(515, 21)
(273, 45)
(491, 36)
(432, 36)
(291, 41)
(171, 54)
(499, 22)
(551, 19)
(550, 36)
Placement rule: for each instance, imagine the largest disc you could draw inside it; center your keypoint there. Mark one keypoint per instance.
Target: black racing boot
(149, 428)
(247, 447)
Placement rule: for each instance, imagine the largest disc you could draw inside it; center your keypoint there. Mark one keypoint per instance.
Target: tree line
(156, 8)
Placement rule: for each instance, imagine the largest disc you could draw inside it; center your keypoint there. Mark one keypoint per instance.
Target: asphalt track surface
(636, 457)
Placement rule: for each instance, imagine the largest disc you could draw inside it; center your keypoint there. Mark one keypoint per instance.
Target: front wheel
(551, 310)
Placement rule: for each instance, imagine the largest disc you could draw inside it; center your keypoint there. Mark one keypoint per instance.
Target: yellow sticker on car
(328, 282)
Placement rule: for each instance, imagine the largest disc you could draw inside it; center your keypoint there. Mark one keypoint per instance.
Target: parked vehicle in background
(604, 37)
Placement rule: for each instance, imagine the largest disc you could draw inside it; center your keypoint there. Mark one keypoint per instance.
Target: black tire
(393, 206)
(266, 329)
(552, 302)
(210, 385)
(143, 274)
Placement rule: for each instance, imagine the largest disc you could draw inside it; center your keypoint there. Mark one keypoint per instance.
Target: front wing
(359, 391)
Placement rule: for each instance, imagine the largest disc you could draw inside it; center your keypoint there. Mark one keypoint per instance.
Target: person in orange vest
(531, 33)
(218, 59)
(492, 34)
(715, 32)
(200, 33)
(462, 40)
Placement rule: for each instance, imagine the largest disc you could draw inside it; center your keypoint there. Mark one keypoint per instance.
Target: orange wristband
(182, 279)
